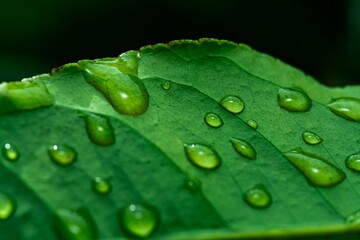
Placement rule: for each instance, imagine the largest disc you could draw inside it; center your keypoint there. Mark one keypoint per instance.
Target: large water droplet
(213, 120)
(166, 85)
(202, 156)
(10, 152)
(7, 206)
(99, 129)
(139, 220)
(75, 225)
(258, 197)
(232, 103)
(244, 148)
(293, 100)
(353, 162)
(311, 138)
(126, 92)
(318, 172)
(348, 108)
(62, 155)
(101, 186)
(252, 123)
(192, 184)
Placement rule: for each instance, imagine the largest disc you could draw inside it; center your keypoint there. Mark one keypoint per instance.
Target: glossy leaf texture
(165, 171)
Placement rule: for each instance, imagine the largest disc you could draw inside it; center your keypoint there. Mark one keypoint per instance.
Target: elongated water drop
(213, 120)
(232, 103)
(166, 85)
(258, 197)
(139, 220)
(244, 148)
(311, 138)
(7, 206)
(99, 129)
(202, 156)
(348, 108)
(10, 152)
(192, 184)
(252, 123)
(101, 186)
(125, 92)
(74, 225)
(318, 172)
(62, 155)
(293, 100)
(353, 162)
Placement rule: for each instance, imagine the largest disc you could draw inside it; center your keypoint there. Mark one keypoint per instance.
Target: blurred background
(320, 37)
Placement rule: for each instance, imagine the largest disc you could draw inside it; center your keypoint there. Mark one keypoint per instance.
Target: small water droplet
(10, 152)
(244, 148)
(139, 220)
(252, 123)
(353, 218)
(232, 103)
(99, 129)
(101, 186)
(75, 225)
(62, 155)
(353, 162)
(213, 120)
(7, 206)
(348, 108)
(293, 100)
(192, 184)
(202, 156)
(258, 197)
(318, 172)
(311, 138)
(166, 85)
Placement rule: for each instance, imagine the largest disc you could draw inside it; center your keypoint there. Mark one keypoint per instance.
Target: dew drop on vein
(258, 197)
(252, 123)
(166, 85)
(353, 162)
(62, 155)
(99, 129)
(348, 108)
(7, 206)
(101, 186)
(202, 156)
(317, 171)
(138, 220)
(213, 120)
(10, 152)
(232, 103)
(293, 100)
(311, 138)
(243, 148)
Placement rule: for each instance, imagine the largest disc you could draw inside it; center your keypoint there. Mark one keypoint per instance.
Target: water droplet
(7, 206)
(213, 120)
(318, 172)
(244, 148)
(75, 225)
(258, 197)
(353, 162)
(99, 129)
(252, 123)
(10, 152)
(62, 155)
(293, 100)
(311, 138)
(202, 156)
(139, 220)
(192, 184)
(101, 186)
(348, 108)
(353, 218)
(166, 85)
(232, 103)
(125, 92)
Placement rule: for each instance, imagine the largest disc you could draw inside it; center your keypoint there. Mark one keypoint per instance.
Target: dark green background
(320, 37)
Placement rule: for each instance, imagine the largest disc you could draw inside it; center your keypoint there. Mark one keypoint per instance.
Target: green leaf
(172, 170)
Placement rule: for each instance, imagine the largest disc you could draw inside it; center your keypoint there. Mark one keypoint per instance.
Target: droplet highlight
(293, 100)
(311, 138)
(353, 162)
(213, 120)
(348, 108)
(202, 156)
(317, 171)
(99, 129)
(232, 103)
(192, 184)
(258, 197)
(7, 206)
(243, 148)
(101, 186)
(62, 155)
(10, 152)
(139, 220)
(252, 123)
(166, 85)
